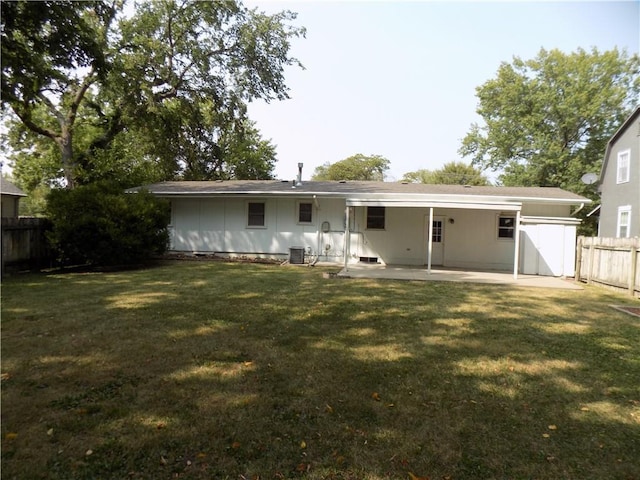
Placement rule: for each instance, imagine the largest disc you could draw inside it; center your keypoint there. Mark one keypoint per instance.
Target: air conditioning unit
(296, 255)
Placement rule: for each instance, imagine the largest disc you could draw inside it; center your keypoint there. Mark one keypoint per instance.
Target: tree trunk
(65, 143)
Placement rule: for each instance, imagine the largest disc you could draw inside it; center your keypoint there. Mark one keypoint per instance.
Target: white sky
(398, 79)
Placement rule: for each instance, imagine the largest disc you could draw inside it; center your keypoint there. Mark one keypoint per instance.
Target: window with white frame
(506, 226)
(623, 166)
(624, 221)
(256, 214)
(375, 218)
(305, 212)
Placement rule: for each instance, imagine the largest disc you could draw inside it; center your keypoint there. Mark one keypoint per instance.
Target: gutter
(579, 208)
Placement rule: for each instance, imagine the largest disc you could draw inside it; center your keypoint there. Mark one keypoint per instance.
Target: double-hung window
(506, 226)
(375, 218)
(305, 212)
(256, 214)
(623, 167)
(624, 221)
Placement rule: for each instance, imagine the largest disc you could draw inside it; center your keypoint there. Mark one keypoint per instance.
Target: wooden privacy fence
(24, 243)
(614, 262)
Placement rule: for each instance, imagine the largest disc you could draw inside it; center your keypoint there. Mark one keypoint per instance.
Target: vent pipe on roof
(299, 180)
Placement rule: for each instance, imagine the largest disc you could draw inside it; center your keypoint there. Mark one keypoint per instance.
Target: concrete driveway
(456, 275)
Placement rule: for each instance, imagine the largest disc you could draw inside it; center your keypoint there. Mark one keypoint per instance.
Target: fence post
(578, 258)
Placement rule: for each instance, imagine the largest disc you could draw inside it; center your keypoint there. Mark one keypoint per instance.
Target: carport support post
(347, 238)
(516, 252)
(430, 242)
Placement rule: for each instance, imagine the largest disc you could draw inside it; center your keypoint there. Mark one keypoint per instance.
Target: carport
(432, 204)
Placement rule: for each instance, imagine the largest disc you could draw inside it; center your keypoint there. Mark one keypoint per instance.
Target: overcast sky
(398, 79)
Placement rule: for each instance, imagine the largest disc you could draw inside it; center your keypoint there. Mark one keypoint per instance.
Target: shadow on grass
(251, 371)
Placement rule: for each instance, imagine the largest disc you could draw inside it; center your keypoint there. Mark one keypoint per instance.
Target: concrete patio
(395, 272)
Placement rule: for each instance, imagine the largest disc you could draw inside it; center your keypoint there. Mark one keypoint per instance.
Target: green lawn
(211, 370)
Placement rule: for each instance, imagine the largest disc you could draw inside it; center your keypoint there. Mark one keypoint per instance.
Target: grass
(215, 370)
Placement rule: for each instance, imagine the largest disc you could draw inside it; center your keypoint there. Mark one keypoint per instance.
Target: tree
(168, 85)
(52, 52)
(356, 167)
(240, 153)
(452, 173)
(547, 120)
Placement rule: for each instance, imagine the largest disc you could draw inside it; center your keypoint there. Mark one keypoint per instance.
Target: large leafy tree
(355, 167)
(547, 120)
(451, 173)
(162, 92)
(52, 53)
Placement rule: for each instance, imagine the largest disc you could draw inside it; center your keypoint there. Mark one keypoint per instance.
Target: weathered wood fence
(24, 244)
(614, 262)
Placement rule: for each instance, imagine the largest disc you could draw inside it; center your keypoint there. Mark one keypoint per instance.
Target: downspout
(430, 242)
(579, 208)
(347, 239)
(315, 201)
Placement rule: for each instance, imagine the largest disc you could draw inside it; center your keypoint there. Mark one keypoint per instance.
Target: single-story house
(521, 229)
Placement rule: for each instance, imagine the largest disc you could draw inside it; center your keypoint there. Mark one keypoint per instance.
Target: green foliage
(356, 167)
(43, 41)
(52, 53)
(155, 95)
(238, 154)
(452, 173)
(547, 120)
(98, 224)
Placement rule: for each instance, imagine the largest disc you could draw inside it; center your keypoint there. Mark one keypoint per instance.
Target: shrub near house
(98, 224)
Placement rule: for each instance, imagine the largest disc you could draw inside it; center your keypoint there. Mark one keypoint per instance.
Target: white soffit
(512, 207)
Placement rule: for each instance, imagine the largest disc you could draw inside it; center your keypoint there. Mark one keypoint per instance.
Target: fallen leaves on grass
(415, 477)
(303, 467)
(375, 396)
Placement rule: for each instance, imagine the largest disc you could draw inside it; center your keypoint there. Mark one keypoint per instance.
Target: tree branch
(52, 108)
(77, 98)
(25, 117)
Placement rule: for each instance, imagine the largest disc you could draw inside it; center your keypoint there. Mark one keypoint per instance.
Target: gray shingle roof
(8, 188)
(346, 189)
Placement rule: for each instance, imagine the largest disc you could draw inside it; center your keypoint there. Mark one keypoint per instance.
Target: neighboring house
(526, 230)
(620, 182)
(9, 198)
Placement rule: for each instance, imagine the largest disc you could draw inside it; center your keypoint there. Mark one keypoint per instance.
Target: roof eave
(424, 197)
(614, 138)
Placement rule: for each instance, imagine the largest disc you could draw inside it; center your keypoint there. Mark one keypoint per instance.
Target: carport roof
(363, 191)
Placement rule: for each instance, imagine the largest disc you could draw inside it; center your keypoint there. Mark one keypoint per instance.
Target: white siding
(546, 210)
(404, 240)
(219, 225)
(470, 237)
